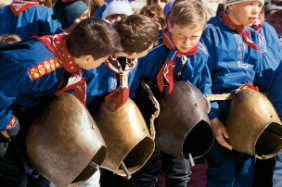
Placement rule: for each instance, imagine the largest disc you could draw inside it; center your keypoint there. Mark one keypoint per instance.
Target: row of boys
(233, 49)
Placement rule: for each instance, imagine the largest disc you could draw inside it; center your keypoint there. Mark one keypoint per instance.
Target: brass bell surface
(183, 124)
(126, 135)
(62, 141)
(253, 125)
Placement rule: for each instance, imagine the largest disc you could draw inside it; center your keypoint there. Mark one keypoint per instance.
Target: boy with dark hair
(180, 56)
(240, 52)
(138, 34)
(27, 19)
(32, 71)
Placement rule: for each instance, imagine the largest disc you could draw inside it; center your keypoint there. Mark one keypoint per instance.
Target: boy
(31, 72)
(239, 54)
(180, 39)
(27, 19)
(137, 34)
(273, 15)
(114, 10)
(70, 14)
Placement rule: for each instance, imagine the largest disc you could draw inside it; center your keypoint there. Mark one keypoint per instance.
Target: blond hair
(9, 39)
(188, 13)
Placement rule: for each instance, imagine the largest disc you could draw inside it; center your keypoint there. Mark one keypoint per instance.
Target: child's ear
(169, 25)
(131, 54)
(87, 58)
(230, 7)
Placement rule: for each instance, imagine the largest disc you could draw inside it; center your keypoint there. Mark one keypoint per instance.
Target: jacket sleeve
(14, 80)
(209, 40)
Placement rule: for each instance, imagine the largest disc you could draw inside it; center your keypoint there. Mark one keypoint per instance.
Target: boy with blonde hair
(240, 52)
(184, 58)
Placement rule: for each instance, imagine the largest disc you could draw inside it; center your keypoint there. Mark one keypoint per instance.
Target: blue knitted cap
(68, 12)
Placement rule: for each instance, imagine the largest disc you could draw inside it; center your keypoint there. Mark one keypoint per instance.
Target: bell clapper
(94, 165)
(128, 176)
(191, 160)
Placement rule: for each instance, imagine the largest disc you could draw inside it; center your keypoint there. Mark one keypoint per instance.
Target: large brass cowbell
(183, 126)
(253, 125)
(126, 135)
(63, 140)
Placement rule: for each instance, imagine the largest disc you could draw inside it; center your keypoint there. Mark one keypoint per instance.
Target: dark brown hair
(155, 13)
(93, 36)
(188, 13)
(137, 33)
(9, 39)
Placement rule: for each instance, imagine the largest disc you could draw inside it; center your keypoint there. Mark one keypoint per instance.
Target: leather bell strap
(78, 84)
(240, 29)
(122, 92)
(166, 72)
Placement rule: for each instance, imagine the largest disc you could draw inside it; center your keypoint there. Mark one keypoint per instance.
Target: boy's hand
(220, 133)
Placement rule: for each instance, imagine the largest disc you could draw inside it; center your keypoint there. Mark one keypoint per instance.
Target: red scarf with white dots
(57, 45)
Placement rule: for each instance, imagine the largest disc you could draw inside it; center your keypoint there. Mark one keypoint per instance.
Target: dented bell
(62, 140)
(183, 126)
(126, 135)
(253, 125)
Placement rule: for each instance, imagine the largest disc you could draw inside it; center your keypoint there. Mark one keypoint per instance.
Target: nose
(256, 9)
(187, 42)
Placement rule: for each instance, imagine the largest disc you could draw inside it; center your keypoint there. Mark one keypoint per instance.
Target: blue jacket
(195, 70)
(35, 21)
(18, 90)
(232, 63)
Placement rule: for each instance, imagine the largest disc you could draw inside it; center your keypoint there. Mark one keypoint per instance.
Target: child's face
(185, 38)
(275, 22)
(134, 54)
(115, 18)
(142, 54)
(245, 13)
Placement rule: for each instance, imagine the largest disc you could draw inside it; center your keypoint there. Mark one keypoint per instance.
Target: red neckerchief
(122, 92)
(18, 6)
(166, 72)
(240, 29)
(257, 23)
(57, 45)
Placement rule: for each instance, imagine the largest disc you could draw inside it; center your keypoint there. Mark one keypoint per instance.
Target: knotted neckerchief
(166, 72)
(122, 92)
(240, 29)
(18, 6)
(57, 45)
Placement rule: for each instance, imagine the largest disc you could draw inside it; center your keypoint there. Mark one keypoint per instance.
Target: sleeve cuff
(213, 115)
